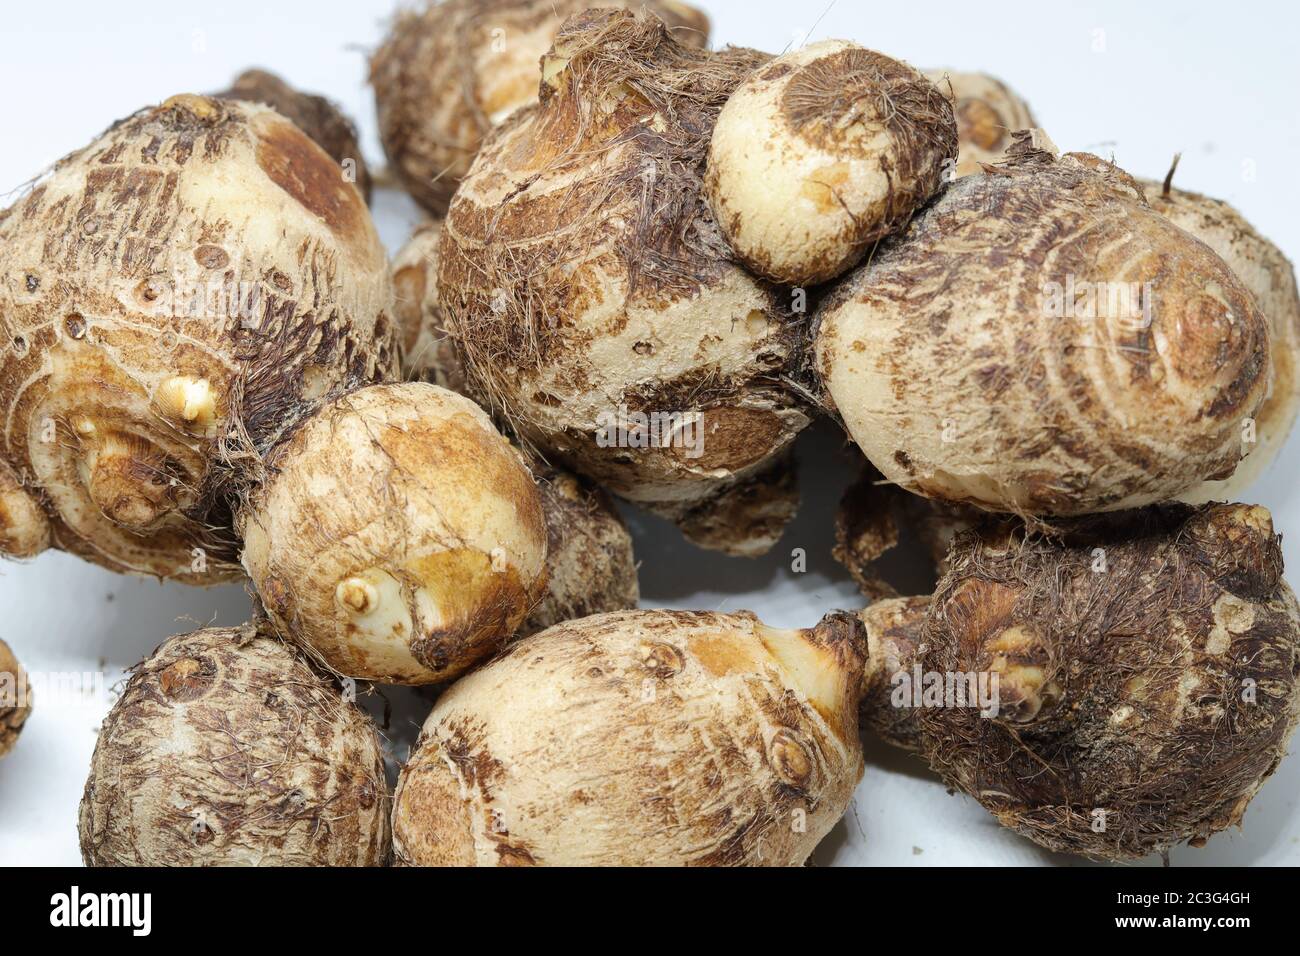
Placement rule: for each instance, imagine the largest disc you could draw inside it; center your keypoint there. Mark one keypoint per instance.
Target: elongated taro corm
(640, 738)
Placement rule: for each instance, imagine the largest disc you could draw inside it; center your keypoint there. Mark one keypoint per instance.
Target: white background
(1136, 81)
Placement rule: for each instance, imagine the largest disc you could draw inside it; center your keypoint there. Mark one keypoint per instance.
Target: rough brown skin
(314, 115)
(449, 72)
(229, 749)
(590, 567)
(175, 296)
(988, 113)
(1267, 273)
(428, 351)
(398, 536)
(870, 518)
(640, 738)
(15, 699)
(1161, 689)
(748, 517)
(894, 629)
(950, 371)
(866, 528)
(581, 271)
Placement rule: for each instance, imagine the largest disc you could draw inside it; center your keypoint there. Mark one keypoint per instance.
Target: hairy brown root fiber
(228, 749)
(177, 295)
(1040, 341)
(15, 699)
(594, 302)
(451, 71)
(1144, 668)
(640, 738)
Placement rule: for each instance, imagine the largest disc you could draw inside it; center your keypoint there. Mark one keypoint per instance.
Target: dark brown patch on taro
(211, 257)
(508, 855)
(277, 597)
(731, 438)
(662, 660)
(74, 325)
(830, 95)
(306, 172)
(790, 760)
(733, 850)
(479, 608)
(464, 745)
(314, 115)
(150, 289)
(187, 679)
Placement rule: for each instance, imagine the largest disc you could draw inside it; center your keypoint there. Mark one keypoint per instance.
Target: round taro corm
(229, 749)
